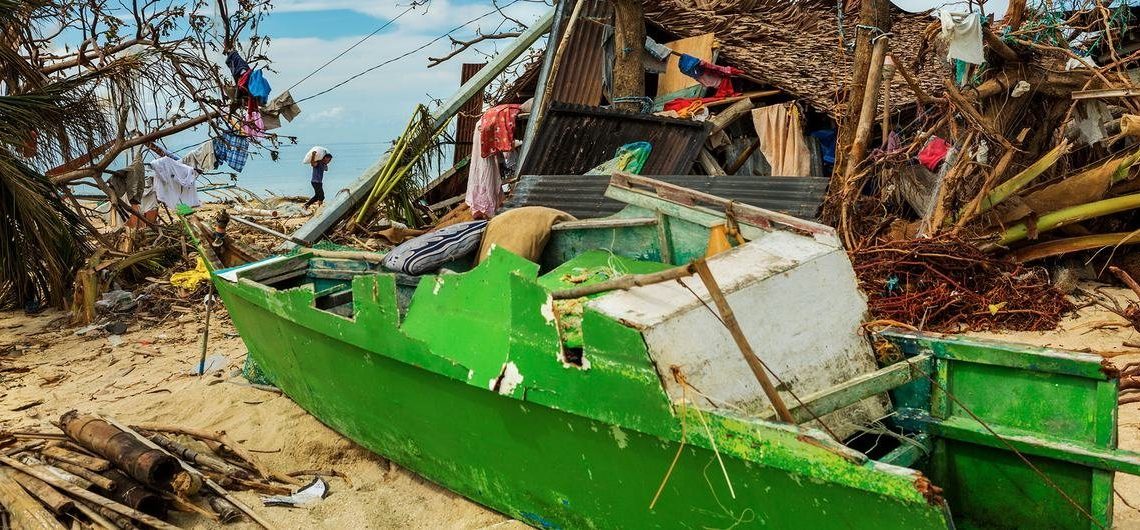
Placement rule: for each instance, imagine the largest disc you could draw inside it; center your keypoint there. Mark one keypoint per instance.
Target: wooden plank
(604, 223)
(909, 453)
(1031, 443)
(672, 79)
(23, 509)
(859, 388)
(1106, 93)
(342, 203)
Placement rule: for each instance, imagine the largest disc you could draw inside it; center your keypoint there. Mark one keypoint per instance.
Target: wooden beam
(341, 204)
(848, 393)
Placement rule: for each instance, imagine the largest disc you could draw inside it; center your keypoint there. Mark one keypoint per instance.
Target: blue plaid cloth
(232, 149)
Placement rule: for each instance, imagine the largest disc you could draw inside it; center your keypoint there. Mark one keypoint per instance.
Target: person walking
(319, 167)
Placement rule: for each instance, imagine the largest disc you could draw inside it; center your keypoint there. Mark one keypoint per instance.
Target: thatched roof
(794, 46)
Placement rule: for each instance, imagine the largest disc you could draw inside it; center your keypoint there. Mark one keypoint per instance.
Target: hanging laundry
(933, 153)
(964, 34)
(283, 106)
(232, 149)
(708, 74)
(236, 64)
(653, 60)
(202, 158)
(780, 130)
(484, 184)
(253, 126)
(498, 129)
(174, 182)
(826, 139)
(270, 121)
(258, 86)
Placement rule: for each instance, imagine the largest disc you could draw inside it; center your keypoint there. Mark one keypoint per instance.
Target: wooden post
(26, 512)
(629, 45)
(867, 112)
(729, 319)
(875, 14)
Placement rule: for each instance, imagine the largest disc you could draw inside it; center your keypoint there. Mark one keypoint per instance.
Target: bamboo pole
(76, 459)
(1067, 216)
(371, 257)
(1020, 180)
(86, 474)
(913, 83)
(625, 282)
(26, 512)
(205, 478)
(1058, 247)
(729, 319)
(102, 519)
(39, 489)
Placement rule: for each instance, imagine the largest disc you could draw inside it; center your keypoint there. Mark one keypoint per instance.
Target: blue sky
(358, 118)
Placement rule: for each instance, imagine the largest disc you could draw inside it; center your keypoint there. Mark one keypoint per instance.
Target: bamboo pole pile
(100, 473)
(1040, 171)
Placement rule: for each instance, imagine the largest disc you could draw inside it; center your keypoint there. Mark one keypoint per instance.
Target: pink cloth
(933, 153)
(253, 126)
(498, 125)
(484, 185)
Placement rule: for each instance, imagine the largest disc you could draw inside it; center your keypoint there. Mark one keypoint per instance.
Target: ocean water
(288, 176)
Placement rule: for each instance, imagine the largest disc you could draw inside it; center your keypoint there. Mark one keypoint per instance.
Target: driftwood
(189, 455)
(104, 517)
(625, 282)
(86, 474)
(47, 495)
(87, 495)
(91, 463)
(26, 512)
(219, 437)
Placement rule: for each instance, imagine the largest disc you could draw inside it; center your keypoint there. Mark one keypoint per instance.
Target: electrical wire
(406, 54)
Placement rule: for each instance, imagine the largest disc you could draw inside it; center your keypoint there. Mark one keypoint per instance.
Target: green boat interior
(1003, 435)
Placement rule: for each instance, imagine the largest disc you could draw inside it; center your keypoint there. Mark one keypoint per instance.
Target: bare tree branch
(463, 45)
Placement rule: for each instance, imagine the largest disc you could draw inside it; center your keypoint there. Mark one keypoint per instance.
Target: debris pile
(948, 285)
(98, 472)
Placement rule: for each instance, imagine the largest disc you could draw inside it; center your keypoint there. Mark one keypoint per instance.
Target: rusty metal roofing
(583, 196)
(573, 139)
(579, 78)
(468, 116)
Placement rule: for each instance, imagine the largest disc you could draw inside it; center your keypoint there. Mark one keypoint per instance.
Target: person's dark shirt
(319, 171)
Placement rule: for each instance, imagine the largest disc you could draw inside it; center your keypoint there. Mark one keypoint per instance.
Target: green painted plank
(1007, 354)
(910, 452)
(968, 430)
(859, 388)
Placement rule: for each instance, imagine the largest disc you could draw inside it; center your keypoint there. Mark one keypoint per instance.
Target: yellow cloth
(190, 279)
(781, 133)
(523, 231)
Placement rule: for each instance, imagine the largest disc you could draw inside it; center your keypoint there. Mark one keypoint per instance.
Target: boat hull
(555, 469)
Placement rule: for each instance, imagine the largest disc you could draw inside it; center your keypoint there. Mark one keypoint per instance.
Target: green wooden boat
(633, 409)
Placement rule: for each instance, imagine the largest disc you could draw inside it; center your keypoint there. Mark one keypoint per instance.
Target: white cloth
(965, 37)
(484, 185)
(174, 182)
(203, 158)
(314, 154)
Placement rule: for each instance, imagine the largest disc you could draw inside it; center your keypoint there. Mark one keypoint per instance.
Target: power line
(414, 5)
(406, 54)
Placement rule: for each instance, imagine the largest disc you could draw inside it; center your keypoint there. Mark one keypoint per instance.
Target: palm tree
(42, 241)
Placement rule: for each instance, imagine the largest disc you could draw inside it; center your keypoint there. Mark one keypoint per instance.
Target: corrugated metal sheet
(579, 78)
(574, 139)
(583, 196)
(468, 115)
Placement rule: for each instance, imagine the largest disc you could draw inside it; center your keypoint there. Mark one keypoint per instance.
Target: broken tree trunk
(629, 45)
(26, 512)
